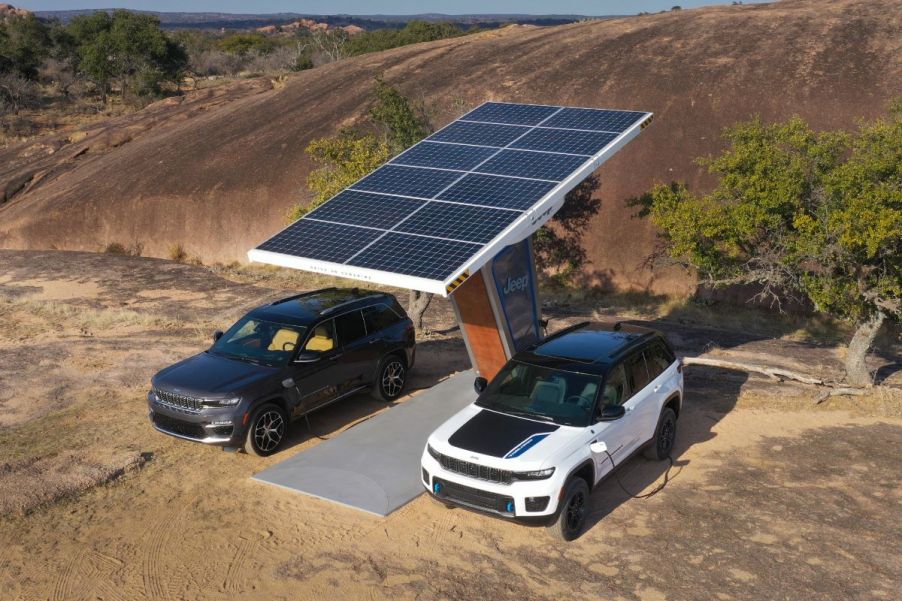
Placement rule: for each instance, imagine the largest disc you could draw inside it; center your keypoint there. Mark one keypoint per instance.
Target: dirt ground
(770, 497)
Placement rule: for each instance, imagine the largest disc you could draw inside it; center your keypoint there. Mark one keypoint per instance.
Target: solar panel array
(429, 210)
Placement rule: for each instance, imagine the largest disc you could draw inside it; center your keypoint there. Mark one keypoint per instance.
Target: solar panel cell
(594, 119)
(416, 256)
(534, 165)
(321, 241)
(515, 114)
(363, 208)
(444, 156)
(497, 191)
(565, 140)
(406, 181)
(480, 134)
(459, 222)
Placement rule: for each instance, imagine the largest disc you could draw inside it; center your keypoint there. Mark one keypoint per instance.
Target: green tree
(242, 44)
(402, 122)
(799, 212)
(341, 160)
(128, 48)
(24, 44)
(558, 246)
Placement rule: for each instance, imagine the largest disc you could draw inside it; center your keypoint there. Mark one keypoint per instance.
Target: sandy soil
(770, 497)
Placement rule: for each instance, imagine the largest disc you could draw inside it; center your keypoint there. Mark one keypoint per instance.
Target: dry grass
(177, 253)
(26, 484)
(87, 319)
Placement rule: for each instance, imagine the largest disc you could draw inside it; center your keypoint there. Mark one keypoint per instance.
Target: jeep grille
(474, 470)
(179, 402)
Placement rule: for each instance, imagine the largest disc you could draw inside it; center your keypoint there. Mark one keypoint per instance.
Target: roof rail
(328, 310)
(566, 330)
(301, 295)
(633, 328)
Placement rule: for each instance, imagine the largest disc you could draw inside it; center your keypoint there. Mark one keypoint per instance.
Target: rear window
(659, 358)
(379, 317)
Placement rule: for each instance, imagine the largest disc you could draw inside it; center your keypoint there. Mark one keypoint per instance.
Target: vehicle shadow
(709, 395)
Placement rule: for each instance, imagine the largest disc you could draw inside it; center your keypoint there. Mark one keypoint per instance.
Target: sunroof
(585, 345)
(445, 206)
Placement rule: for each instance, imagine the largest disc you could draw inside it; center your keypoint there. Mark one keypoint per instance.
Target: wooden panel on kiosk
(480, 326)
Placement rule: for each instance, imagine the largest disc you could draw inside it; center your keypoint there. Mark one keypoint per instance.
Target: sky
(387, 7)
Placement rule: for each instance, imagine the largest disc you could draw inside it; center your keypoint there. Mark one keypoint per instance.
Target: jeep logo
(516, 284)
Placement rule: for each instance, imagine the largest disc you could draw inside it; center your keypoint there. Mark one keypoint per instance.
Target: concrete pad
(375, 466)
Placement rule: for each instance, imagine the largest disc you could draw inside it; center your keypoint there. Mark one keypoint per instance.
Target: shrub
(177, 253)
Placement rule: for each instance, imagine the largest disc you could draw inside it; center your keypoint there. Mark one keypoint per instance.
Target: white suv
(555, 421)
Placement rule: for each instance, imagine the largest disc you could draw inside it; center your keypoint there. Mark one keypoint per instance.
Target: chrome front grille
(179, 402)
(474, 470)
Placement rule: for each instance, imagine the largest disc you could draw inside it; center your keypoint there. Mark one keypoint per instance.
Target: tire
(572, 513)
(267, 431)
(661, 445)
(390, 379)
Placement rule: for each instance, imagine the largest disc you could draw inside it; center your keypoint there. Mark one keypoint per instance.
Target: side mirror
(598, 448)
(307, 357)
(217, 335)
(288, 383)
(480, 383)
(611, 412)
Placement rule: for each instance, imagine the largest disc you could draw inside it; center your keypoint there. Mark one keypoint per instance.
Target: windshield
(259, 341)
(541, 393)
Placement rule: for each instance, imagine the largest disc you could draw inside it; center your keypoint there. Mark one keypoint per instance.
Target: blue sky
(395, 7)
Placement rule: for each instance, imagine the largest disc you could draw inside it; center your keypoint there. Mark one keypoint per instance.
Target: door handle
(334, 357)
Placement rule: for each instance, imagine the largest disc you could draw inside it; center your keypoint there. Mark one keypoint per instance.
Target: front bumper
(520, 500)
(214, 426)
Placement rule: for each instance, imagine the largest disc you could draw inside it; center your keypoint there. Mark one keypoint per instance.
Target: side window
(322, 339)
(615, 388)
(379, 317)
(658, 359)
(637, 372)
(350, 327)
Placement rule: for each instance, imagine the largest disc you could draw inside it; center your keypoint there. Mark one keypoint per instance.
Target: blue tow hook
(510, 506)
(436, 487)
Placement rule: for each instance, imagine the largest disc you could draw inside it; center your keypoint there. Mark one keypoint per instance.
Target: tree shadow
(710, 394)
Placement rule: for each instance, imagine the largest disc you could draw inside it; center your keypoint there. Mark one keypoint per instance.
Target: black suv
(280, 362)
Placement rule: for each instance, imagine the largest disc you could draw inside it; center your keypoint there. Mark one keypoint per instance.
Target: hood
(498, 438)
(210, 375)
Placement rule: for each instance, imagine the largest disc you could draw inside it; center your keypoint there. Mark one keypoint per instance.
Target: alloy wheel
(269, 430)
(665, 439)
(576, 510)
(393, 379)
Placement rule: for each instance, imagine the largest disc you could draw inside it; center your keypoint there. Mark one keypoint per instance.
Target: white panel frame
(530, 221)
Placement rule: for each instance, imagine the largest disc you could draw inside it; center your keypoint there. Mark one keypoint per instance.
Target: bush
(242, 44)
(177, 253)
(17, 93)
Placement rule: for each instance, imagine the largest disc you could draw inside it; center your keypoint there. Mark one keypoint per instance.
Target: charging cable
(651, 493)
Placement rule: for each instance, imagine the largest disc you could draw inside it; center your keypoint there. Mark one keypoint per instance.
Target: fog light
(537, 503)
(222, 422)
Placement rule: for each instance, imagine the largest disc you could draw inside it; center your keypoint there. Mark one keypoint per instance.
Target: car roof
(588, 347)
(309, 307)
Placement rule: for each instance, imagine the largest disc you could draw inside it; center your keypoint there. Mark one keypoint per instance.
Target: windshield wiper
(540, 417)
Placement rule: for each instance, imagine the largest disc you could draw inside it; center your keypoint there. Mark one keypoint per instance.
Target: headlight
(435, 454)
(534, 475)
(222, 402)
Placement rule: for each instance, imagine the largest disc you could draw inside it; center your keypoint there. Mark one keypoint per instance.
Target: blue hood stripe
(525, 445)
